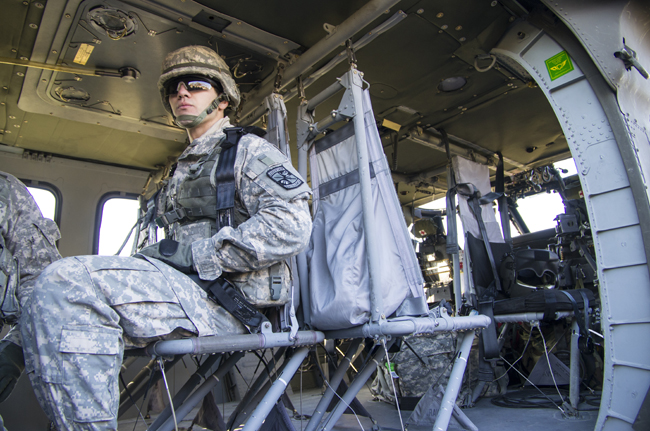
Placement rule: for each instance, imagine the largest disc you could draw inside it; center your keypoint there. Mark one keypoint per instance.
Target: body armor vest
(207, 201)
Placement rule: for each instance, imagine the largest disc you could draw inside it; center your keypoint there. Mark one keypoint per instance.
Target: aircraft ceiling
(113, 113)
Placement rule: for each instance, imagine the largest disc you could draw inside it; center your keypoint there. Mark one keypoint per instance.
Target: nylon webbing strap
(231, 300)
(500, 188)
(475, 206)
(485, 370)
(452, 230)
(489, 334)
(583, 324)
(235, 303)
(225, 177)
(550, 304)
(181, 213)
(196, 192)
(342, 182)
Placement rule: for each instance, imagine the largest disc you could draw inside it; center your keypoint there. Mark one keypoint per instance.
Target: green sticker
(559, 65)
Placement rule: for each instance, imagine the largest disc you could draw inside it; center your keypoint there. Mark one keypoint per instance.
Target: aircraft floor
(485, 415)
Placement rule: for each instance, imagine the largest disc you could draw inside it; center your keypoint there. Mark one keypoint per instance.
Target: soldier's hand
(172, 253)
(12, 364)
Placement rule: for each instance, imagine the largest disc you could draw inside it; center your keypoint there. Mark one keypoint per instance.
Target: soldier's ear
(223, 105)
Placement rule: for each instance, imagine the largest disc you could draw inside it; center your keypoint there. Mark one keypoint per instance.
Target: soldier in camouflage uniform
(27, 246)
(87, 310)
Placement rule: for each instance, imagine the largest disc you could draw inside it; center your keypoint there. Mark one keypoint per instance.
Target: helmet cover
(197, 60)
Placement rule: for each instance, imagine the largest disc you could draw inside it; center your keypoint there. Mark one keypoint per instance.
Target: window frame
(99, 212)
(58, 196)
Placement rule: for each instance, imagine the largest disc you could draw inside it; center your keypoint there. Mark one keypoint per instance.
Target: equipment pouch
(268, 287)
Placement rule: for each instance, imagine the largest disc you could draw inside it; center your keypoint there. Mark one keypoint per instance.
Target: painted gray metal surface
(273, 395)
(620, 251)
(335, 381)
(455, 380)
(230, 343)
(198, 395)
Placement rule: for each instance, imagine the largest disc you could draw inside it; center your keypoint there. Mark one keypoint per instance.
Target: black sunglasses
(192, 83)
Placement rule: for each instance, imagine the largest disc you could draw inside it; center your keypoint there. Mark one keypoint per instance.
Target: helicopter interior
(80, 109)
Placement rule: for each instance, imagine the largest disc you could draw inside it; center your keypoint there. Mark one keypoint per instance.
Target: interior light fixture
(452, 84)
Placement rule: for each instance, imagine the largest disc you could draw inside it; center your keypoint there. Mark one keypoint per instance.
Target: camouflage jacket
(271, 217)
(29, 236)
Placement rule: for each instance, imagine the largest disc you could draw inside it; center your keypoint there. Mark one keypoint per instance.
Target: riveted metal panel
(621, 247)
(602, 166)
(624, 402)
(628, 301)
(614, 209)
(632, 344)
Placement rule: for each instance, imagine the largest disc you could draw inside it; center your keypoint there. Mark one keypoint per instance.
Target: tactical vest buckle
(171, 217)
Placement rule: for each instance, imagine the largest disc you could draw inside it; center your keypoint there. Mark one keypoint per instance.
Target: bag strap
(226, 295)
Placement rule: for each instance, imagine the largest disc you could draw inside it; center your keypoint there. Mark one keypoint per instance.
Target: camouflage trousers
(83, 313)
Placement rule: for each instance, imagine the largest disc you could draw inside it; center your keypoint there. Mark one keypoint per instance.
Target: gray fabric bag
(338, 265)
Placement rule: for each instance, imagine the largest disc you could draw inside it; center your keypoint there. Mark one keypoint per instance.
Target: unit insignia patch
(284, 178)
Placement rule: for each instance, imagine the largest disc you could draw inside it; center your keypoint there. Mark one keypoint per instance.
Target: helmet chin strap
(191, 121)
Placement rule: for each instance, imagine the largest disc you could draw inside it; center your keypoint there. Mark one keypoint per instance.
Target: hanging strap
(225, 174)
(225, 177)
(586, 346)
(499, 188)
(469, 190)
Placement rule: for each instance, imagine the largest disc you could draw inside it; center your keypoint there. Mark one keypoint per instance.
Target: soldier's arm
(29, 236)
(280, 223)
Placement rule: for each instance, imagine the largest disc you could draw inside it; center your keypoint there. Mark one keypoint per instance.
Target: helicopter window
(45, 200)
(538, 211)
(47, 197)
(116, 215)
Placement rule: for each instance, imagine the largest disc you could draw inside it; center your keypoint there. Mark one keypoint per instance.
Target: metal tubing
(335, 381)
(436, 144)
(303, 268)
(231, 343)
(323, 124)
(254, 115)
(453, 386)
(129, 401)
(356, 46)
(276, 390)
(324, 95)
(186, 390)
(139, 378)
(353, 390)
(529, 317)
(348, 28)
(413, 325)
(371, 239)
(574, 365)
(198, 395)
(255, 387)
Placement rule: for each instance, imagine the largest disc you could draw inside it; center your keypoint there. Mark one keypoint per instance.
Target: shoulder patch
(284, 178)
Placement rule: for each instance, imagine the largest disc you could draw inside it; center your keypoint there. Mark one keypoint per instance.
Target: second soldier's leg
(84, 310)
(73, 349)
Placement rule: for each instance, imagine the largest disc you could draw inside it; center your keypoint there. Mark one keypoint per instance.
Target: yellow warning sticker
(391, 125)
(83, 54)
(559, 65)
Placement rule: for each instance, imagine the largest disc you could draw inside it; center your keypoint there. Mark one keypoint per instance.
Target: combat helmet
(198, 60)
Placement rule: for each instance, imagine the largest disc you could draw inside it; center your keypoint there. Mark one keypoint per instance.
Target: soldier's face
(186, 102)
